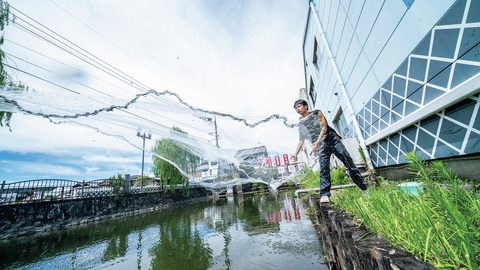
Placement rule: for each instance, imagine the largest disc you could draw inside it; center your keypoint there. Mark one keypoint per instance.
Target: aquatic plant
(441, 225)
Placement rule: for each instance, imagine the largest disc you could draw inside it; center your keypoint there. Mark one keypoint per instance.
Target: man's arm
(297, 150)
(323, 123)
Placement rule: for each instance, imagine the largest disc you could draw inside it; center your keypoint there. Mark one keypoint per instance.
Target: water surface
(243, 232)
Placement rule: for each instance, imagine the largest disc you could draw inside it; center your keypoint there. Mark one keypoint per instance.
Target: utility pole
(214, 120)
(143, 136)
(216, 131)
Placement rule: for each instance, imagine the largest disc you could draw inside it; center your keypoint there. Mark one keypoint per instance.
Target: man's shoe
(324, 199)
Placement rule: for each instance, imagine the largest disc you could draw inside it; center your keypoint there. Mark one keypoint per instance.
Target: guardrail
(39, 190)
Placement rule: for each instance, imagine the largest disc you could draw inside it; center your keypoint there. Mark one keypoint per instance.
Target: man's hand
(315, 146)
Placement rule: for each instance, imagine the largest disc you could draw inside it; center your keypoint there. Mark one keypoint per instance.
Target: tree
(4, 16)
(169, 149)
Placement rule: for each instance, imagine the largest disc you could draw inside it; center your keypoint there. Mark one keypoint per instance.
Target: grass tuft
(441, 225)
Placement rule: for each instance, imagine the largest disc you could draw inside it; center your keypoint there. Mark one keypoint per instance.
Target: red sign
(269, 162)
(285, 159)
(277, 161)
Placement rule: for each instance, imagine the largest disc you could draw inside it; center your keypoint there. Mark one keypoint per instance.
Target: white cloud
(40, 168)
(242, 58)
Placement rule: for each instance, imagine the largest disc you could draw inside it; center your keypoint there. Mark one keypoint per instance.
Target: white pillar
(342, 87)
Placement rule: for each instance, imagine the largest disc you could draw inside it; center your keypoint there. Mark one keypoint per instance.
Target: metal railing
(39, 190)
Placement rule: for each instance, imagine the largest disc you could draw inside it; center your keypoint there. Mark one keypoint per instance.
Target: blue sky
(238, 57)
(16, 166)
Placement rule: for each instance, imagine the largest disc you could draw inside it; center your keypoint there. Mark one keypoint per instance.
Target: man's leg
(341, 153)
(324, 159)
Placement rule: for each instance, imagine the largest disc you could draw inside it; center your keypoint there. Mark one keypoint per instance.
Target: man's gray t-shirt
(309, 127)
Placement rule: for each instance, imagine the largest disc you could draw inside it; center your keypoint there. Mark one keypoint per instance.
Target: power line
(40, 78)
(102, 36)
(62, 63)
(72, 43)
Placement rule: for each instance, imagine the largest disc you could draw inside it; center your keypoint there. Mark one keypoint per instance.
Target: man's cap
(300, 101)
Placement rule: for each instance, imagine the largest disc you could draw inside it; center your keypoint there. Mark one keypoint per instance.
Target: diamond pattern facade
(452, 131)
(446, 57)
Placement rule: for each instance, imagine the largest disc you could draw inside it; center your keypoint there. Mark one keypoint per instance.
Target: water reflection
(245, 232)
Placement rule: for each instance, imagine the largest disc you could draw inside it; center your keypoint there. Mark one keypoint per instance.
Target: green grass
(311, 179)
(440, 226)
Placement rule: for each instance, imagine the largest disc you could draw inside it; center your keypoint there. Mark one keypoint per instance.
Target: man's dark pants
(332, 144)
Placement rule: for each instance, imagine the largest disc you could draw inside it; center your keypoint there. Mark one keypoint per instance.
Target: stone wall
(348, 246)
(26, 219)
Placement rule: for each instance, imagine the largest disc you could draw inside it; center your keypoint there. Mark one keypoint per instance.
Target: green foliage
(338, 176)
(311, 179)
(441, 225)
(4, 16)
(259, 187)
(116, 182)
(169, 175)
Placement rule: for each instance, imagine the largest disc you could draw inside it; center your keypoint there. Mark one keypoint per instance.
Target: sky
(238, 57)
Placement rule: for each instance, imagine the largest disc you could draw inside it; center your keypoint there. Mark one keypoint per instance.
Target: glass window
(431, 94)
(473, 14)
(373, 157)
(462, 73)
(443, 150)
(312, 92)
(399, 108)
(425, 141)
(417, 68)
(424, 46)
(406, 145)
(410, 108)
(402, 69)
(408, 3)
(412, 88)
(410, 133)
(452, 133)
(395, 139)
(394, 117)
(444, 42)
(454, 14)
(470, 38)
(343, 128)
(473, 54)
(399, 86)
(473, 145)
(431, 123)
(461, 111)
(385, 98)
(439, 73)
(476, 124)
(316, 59)
(388, 84)
(375, 108)
(396, 101)
(417, 96)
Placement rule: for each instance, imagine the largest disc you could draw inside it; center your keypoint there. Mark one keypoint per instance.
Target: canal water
(242, 232)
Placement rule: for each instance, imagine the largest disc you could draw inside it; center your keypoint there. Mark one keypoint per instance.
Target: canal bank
(348, 245)
(26, 219)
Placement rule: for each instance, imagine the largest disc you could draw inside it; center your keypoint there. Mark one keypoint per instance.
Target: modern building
(397, 75)
(251, 155)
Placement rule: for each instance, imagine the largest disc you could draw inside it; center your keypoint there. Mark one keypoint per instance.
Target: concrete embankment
(347, 245)
(17, 220)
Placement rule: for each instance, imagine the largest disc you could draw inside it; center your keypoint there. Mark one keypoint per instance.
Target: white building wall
(390, 56)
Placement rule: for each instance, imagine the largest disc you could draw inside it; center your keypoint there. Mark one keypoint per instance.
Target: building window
(341, 125)
(312, 92)
(408, 3)
(316, 56)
